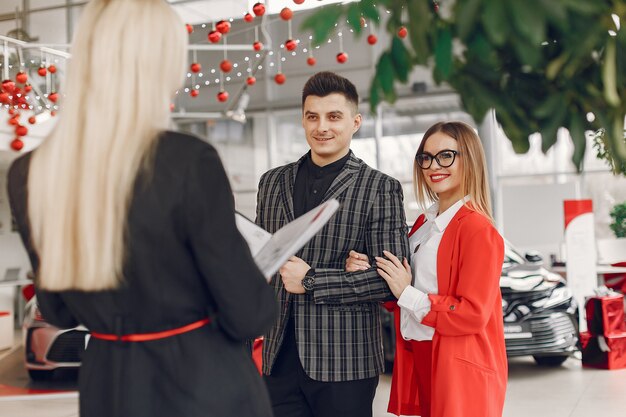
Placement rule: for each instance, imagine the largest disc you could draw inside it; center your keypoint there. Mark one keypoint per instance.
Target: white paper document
(270, 252)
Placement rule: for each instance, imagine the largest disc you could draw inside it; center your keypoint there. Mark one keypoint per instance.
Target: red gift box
(605, 315)
(594, 357)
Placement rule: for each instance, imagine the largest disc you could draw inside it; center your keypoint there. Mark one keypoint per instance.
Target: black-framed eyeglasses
(444, 158)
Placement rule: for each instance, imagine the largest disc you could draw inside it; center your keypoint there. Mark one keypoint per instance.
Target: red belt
(146, 337)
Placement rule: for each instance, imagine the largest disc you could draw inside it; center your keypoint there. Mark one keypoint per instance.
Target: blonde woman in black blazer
(131, 231)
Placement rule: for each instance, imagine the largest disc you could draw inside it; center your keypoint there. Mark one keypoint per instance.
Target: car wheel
(39, 375)
(550, 360)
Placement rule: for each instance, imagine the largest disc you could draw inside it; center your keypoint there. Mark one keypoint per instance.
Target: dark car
(48, 348)
(540, 312)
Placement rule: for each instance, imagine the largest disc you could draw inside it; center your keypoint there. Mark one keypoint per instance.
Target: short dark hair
(325, 83)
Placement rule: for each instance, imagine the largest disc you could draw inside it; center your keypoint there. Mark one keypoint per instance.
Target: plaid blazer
(338, 329)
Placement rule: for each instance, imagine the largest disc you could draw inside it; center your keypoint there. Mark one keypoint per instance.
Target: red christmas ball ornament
(248, 17)
(257, 46)
(8, 86)
(195, 67)
(311, 61)
(222, 96)
(53, 113)
(194, 93)
(14, 121)
(402, 32)
(21, 130)
(11, 111)
(291, 45)
(223, 26)
(214, 36)
(251, 80)
(52, 69)
(372, 39)
(53, 97)
(258, 9)
(286, 13)
(226, 65)
(298, 1)
(4, 98)
(280, 78)
(172, 106)
(342, 57)
(42, 71)
(189, 28)
(32, 120)
(28, 88)
(21, 77)
(17, 144)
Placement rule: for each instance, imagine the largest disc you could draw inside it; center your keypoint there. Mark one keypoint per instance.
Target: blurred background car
(48, 348)
(540, 312)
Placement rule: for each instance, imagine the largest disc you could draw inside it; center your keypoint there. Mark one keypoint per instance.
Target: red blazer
(469, 355)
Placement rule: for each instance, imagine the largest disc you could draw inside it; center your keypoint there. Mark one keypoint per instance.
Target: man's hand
(292, 273)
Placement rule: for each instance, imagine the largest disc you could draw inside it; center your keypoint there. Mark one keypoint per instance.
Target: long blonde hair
(128, 58)
(474, 173)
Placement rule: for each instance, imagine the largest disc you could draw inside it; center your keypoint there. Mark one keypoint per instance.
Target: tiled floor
(567, 391)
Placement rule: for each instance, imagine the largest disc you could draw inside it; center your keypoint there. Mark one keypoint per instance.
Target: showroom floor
(567, 391)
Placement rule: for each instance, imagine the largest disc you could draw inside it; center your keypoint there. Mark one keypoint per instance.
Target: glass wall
(530, 190)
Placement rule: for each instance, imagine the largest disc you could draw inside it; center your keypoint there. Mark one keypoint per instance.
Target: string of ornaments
(219, 30)
(218, 33)
(16, 94)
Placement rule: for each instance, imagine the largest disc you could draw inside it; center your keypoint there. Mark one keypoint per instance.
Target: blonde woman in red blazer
(450, 352)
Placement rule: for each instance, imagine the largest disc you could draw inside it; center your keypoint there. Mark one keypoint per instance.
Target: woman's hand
(397, 274)
(357, 262)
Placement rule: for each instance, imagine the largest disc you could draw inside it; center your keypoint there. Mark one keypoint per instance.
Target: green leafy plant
(601, 146)
(618, 214)
(541, 64)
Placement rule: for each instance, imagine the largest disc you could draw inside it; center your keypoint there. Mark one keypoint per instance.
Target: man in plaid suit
(323, 356)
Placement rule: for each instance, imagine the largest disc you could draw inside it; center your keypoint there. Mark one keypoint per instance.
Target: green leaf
(549, 106)
(466, 12)
(420, 19)
(584, 6)
(495, 21)
(530, 23)
(577, 132)
(369, 10)
(374, 94)
(518, 137)
(526, 53)
(322, 22)
(617, 139)
(550, 129)
(443, 52)
(385, 75)
(554, 67)
(480, 53)
(401, 60)
(354, 18)
(555, 12)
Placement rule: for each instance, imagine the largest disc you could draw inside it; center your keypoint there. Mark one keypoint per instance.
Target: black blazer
(185, 260)
(337, 325)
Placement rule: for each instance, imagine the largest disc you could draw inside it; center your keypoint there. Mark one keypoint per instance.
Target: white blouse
(414, 303)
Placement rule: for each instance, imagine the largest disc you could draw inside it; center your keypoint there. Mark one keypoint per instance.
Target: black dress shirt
(312, 182)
